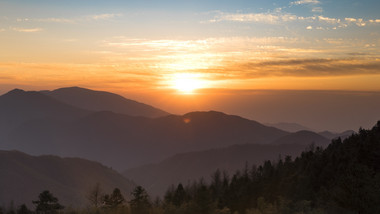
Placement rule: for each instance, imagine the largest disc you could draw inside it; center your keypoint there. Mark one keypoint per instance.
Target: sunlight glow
(187, 83)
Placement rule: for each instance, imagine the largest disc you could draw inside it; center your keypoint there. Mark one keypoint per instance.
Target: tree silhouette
(114, 200)
(95, 195)
(23, 209)
(140, 203)
(47, 203)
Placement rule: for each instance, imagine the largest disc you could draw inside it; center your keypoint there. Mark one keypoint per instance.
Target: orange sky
(173, 53)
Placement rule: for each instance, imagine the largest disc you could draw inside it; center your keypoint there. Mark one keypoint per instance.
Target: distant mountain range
(188, 167)
(103, 101)
(49, 126)
(331, 135)
(303, 138)
(24, 177)
(289, 127)
(104, 127)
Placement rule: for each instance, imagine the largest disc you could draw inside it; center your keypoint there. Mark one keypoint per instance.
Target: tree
(23, 209)
(179, 195)
(113, 200)
(95, 195)
(47, 203)
(140, 203)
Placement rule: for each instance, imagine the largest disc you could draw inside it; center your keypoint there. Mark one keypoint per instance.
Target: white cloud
(305, 2)
(350, 19)
(271, 18)
(104, 16)
(27, 30)
(358, 22)
(55, 20)
(309, 27)
(96, 17)
(280, 17)
(329, 20)
(317, 9)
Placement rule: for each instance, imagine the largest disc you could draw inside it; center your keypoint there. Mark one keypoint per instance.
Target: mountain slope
(23, 177)
(289, 127)
(103, 101)
(123, 141)
(188, 167)
(330, 135)
(303, 138)
(18, 106)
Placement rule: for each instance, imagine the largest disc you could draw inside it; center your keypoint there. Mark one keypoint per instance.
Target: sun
(187, 83)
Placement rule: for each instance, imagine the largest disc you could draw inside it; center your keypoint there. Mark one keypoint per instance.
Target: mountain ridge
(103, 101)
(69, 179)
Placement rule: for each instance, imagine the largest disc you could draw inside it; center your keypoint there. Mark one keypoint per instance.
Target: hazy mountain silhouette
(303, 138)
(123, 141)
(289, 127)
(39, 124)
(331, 135)
(18, 106)
(191, 166)
(103, 101)
(23, 177)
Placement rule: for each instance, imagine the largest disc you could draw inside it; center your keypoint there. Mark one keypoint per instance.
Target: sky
(186, 55)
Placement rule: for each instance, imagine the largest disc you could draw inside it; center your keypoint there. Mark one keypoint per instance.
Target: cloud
(305, 68)
(329, 20)
(55, 20)
(305, 2)
(95, 17)
(269, 18)
(317, 10)
(278, 16)
(27, 30)
(104, 16)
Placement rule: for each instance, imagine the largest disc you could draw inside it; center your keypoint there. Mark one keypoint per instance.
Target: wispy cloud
(317, 10)
(95, 17)
(281, 17)
(305, 2)
(104, 16)
(27, 30)
(358, 22)
(329, 20)
(270, 18)
(305, 68)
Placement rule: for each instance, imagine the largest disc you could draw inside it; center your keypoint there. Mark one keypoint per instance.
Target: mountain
(289, 127)
(187, 167)
(18, 107)
(123, 141)
(23, 177)
(103, 101)
(331, 135)
(303, 138)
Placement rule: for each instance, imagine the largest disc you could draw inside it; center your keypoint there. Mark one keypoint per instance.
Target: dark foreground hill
(188, 167)
(343, 178)
(103, 101)
(23, 177)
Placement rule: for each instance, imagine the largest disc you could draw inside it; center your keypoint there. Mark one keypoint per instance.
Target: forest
(342, 178)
